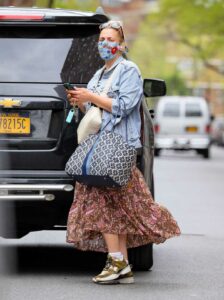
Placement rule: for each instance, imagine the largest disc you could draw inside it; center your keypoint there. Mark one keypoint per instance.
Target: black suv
(40, 49)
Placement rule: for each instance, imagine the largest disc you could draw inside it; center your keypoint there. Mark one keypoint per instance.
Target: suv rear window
(48, 55)
(193, 110)
(171, 109)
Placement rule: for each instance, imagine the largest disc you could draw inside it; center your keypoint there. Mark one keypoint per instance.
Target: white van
(183, 123)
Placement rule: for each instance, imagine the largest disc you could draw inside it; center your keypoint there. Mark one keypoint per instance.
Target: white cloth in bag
(91, 122)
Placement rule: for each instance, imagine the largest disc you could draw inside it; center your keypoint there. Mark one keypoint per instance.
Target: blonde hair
(118, 26)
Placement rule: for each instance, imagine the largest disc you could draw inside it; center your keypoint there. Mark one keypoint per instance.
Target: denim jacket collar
(117, 61)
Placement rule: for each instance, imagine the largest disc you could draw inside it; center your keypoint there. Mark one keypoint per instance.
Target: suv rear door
(35, 59)
(39, 50)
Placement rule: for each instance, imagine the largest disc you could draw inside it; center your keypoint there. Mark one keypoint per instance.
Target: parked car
(183, 123)
(217, 131)
(40, 50)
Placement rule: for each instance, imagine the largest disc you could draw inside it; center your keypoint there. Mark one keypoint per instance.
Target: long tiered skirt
(127, 210)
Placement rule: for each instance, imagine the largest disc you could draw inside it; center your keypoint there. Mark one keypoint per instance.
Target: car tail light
(156, 128)
(21, 17)
(208, 128)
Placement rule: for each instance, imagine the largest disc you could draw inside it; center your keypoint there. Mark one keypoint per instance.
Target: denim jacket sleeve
(129, 90)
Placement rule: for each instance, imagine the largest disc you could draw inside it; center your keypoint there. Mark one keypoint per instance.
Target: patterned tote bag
(103, 159)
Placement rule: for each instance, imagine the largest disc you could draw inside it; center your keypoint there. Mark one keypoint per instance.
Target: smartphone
(69, 86)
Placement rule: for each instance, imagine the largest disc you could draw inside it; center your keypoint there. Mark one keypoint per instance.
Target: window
(171, 109)
(193, 110)
(49, 54)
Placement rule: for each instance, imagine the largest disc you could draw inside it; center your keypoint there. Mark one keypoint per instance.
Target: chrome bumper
(41, 188)
(184, 142)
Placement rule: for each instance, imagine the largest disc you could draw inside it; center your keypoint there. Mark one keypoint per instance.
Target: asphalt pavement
(187, 267)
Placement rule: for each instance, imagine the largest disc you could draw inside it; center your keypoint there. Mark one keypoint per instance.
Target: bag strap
(110, 80)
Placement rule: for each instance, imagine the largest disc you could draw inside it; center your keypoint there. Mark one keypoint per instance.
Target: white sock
(117, 255)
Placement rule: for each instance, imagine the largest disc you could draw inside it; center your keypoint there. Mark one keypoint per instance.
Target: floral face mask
(108, 50)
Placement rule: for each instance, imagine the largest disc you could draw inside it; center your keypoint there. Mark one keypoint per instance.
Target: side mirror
(154, 87)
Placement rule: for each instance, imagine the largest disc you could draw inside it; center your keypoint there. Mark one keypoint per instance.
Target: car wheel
(152, 186)
(156, 152)
(141, 257)
(206, 153)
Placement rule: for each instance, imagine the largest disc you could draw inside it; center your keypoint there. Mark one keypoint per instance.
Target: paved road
(187, 267)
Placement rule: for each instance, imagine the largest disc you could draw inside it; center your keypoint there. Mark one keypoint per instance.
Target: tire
(206, 153)
(152, 187)
(141, 257)
(198, 151)
(156, 152)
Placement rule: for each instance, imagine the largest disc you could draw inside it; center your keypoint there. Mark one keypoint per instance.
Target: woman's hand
(79, 96)
(69, 97)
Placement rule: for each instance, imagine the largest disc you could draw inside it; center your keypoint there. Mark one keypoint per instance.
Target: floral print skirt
(127, 210)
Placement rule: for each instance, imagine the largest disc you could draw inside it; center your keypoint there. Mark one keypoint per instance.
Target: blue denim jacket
(126, 92)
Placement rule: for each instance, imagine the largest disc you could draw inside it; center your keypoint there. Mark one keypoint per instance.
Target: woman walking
(114, 219)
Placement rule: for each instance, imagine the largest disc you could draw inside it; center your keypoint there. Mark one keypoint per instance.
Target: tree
(149, 52)
(70, 4)
(50, 3)
(77, 4)
(176, 85)
(198, 24)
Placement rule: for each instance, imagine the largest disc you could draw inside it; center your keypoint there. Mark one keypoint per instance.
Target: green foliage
(85, 5)
(149, 52)
(195, 23)
(193, 17)
(41, 3)
(181, 29)
(176, 85)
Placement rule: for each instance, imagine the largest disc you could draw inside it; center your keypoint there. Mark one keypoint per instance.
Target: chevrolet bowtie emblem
(9, 103)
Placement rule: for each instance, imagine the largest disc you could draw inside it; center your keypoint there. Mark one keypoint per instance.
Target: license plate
(181, 142)
(191, 129)
(15, 123)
